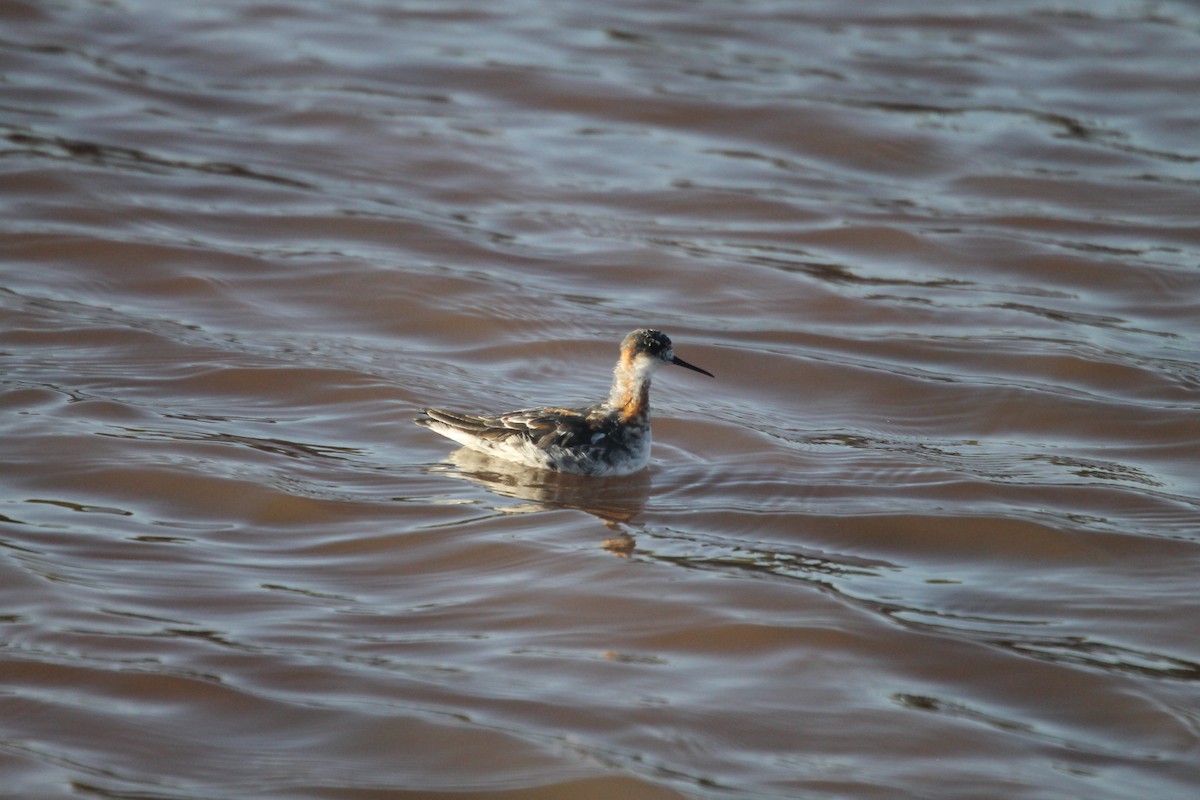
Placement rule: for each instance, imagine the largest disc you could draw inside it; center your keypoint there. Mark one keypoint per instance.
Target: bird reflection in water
(614, 501)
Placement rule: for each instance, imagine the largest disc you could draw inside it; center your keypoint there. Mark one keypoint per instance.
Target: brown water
(933, 532)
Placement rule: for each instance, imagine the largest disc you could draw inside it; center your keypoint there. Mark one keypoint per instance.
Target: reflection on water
(932, 534)
(614, 501)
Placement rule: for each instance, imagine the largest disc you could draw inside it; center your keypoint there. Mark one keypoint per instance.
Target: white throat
(628, 379)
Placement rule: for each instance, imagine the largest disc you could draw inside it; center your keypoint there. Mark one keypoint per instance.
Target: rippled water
(933, 531)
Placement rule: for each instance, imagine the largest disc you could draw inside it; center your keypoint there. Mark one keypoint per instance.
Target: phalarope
(608, 438)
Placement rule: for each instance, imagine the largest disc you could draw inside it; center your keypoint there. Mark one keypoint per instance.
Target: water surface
(932, 532)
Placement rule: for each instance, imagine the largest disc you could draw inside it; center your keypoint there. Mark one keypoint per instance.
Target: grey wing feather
(558, 426)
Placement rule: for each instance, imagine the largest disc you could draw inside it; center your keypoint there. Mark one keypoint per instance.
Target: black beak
(679, 362)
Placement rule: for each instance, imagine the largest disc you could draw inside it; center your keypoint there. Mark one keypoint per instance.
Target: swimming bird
(609, 438)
